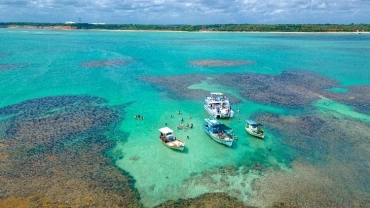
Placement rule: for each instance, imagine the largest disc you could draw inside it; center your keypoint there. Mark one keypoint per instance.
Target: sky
(187, 11)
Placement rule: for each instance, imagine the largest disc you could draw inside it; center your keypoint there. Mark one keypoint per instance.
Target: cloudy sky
(187, 11)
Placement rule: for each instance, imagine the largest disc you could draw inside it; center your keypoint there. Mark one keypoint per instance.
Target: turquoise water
(50, 63)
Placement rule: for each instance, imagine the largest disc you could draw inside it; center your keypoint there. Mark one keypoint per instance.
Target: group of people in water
(138, 117)
(181, 126)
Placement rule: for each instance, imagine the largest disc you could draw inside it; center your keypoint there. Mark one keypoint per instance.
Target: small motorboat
(167, 138)
(254, 129)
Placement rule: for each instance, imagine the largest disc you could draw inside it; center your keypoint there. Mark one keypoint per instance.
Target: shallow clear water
(49, 63)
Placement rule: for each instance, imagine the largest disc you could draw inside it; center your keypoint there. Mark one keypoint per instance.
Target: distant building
(69, 22)
(98, 23)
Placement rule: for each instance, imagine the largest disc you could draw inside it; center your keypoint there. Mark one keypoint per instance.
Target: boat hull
(213, 113)
(253, 133)
(173, 145)
(215, 137)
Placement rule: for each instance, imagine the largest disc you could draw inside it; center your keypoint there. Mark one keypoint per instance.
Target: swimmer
(138, 117)
(189, 116)
(178, 112)
(187, 137)
(191, 126)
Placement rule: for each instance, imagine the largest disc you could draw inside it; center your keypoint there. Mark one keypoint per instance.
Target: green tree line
(212, 27)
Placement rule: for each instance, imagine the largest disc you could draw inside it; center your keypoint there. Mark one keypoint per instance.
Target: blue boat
(219, 131)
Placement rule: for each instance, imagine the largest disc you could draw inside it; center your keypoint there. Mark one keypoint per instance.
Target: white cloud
(187, 12)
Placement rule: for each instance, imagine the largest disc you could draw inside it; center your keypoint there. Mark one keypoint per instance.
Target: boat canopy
(216, 102)
(217, 93)
(215, 124)
(252, 123)
(221, 127)
(212, 121)
(165, 130)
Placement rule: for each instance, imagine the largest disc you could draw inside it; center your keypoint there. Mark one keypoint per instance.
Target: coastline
(174, 31)
(207, 28)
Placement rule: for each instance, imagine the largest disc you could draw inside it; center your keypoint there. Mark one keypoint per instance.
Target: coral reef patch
(53, 153)
(357, 96)
(307, 186)
(292, 88)
(220, 63)
(176, 87)
(209, 200)
(4, 67)
(330, 169)
(2, 55)
(106, 63)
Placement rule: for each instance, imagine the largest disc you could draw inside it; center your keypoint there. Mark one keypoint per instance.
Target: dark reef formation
(2, 55)
(218, 63)
(357, 96)
(210, 200)
(106, 63)
(53, 153)
(291, 89)
(330, 169)
(176, 87)
(4, 67)
(308, 186)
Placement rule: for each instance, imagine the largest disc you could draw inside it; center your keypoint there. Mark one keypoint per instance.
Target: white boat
(218, 105)
(219, 131)
(167, 138)
(254, 129)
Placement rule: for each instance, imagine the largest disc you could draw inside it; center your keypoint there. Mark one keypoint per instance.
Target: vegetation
(191, 28)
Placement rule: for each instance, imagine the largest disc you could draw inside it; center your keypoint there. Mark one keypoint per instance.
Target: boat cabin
(217, 96)
(216, 127)
(166, 134)
(253, 125)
